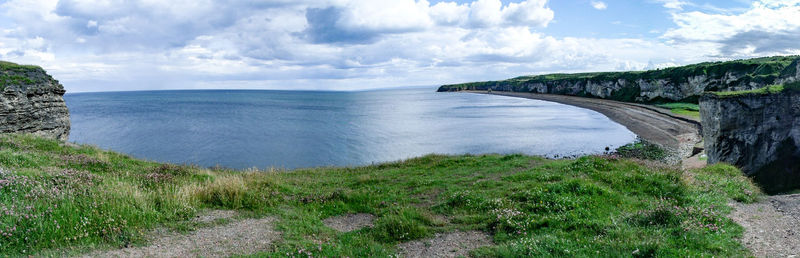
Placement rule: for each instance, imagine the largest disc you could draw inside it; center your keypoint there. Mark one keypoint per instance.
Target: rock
(31, 101)
(759, 133)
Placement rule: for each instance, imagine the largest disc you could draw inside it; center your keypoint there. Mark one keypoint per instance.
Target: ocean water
(294, 129)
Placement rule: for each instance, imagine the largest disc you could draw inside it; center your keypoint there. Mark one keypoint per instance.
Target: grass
(686, 109)
(13, 74)
(58, 197)
(16, 67)
(772, 89)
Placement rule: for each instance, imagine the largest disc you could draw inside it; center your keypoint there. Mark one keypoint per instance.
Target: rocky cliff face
(760, 133)
(31, 101)
(685, 83)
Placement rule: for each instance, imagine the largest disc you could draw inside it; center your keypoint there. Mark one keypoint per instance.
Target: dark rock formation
(760, 133)
(31, 101)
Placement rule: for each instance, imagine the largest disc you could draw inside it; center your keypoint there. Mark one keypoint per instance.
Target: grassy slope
(55, 196)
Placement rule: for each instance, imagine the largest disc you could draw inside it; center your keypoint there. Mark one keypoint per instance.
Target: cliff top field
(59, 198)
(772, 89)
(24, 76)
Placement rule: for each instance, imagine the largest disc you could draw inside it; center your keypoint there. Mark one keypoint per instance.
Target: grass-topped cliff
(12, 74)
(56, 198)
(675, 84)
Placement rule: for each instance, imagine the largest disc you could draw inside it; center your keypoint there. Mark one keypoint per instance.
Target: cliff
(685, 83)
(31, 101)
(758, 131)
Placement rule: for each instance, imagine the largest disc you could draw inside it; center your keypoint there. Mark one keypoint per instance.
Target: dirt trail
(453, 244)
(240, 237)
(772, 226)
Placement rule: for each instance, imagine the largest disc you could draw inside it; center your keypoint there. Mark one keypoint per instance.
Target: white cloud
(599, 5)
(349, 44)
(768, 27)
(673, 4)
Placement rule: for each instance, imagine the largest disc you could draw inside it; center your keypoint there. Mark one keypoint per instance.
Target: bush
(642, 149)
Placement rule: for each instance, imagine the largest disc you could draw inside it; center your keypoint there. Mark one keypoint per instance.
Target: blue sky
(115, 45)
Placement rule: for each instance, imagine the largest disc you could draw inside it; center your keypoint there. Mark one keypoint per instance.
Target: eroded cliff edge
(684, 84)
(31, 101)
(757, 132)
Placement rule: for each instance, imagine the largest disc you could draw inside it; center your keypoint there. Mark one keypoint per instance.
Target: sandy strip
(653, 124)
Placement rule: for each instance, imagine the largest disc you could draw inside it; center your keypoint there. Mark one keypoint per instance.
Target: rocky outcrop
(686, 83)
(31, 101)
(760, 133)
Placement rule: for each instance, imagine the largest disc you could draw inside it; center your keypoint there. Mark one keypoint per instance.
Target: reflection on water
(291, 129)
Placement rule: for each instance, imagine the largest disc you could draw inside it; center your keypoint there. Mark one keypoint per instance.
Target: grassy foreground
(69, 199)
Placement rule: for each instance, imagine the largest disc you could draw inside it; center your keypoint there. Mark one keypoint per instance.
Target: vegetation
(8, 66)
(8, 80)
(762, 71)
(13, 74)
(55, 196)
(772, 89)
(687, 109)
(641, 149)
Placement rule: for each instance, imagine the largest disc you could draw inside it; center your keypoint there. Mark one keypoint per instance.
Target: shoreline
(678, 133)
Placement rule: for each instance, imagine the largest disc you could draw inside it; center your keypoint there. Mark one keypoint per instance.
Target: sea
(262, 129)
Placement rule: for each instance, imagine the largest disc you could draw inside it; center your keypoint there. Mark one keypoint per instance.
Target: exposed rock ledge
(31, 101)
(759, 133)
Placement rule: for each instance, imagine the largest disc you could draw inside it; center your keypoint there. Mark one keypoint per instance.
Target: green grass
(641, 149)
(74, 198)
(772, 89)
(678, 105)
(16, 67)
(686, 109)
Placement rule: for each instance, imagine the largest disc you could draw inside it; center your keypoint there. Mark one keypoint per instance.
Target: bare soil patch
(350, 222)
(452, 244)
(214, 215)
(241, 237)
(772, 226)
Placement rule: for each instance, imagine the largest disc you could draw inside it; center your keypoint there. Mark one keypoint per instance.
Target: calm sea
(292, 129)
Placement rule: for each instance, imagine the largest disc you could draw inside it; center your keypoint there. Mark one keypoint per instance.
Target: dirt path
(654, 124)
(772, 226)
(240, 237)
(454, 244)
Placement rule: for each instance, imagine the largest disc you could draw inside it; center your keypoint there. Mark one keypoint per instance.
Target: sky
(120, 45)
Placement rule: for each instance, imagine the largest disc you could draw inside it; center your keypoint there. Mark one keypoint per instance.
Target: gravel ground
(350, 222)
(214, 215)
(240, 237)
(772, 226)
(452, 244)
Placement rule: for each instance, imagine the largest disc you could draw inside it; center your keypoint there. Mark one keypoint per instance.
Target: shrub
(642, 149)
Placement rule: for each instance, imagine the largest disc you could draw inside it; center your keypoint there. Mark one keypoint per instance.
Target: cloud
(768, 27)
(599, 5)
(673, 4)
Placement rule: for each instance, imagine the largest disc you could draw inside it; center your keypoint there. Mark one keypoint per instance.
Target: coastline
(675, 132)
